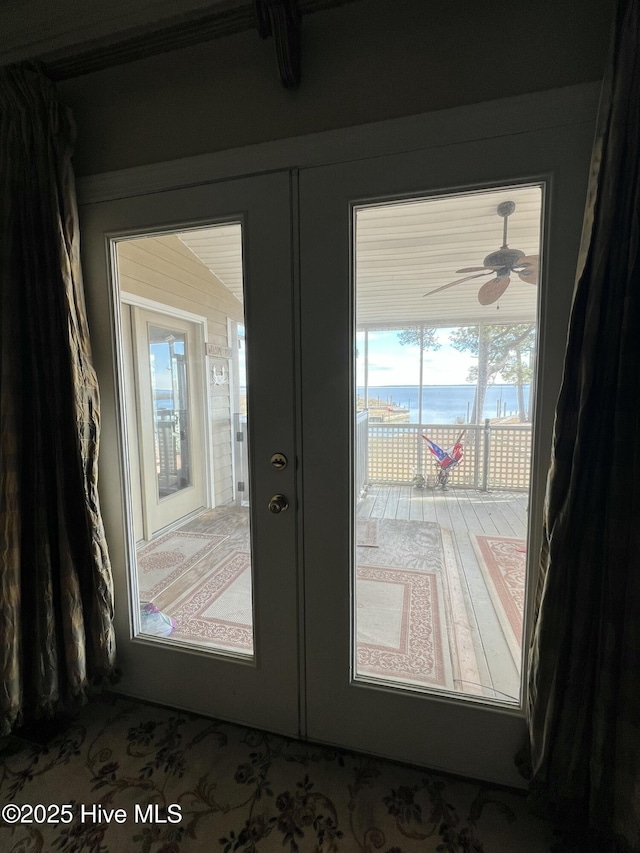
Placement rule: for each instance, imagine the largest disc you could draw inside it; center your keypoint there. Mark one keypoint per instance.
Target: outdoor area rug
(411, 619)
(502, 560)
(401, 630)
(401, 615)
(402, 633)
(367, 532)
(229, 788)
(414, 545)
(408, 613)
(217, 609)
(168, 557)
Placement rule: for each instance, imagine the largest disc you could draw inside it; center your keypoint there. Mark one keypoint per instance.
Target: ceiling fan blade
(472, 269)
(527, 269)
(529, 275)
(493, 290)
(458, 281)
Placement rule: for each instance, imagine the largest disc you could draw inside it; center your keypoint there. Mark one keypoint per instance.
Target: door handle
(278, 503)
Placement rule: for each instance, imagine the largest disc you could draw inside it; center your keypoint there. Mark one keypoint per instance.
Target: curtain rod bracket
(281, 19)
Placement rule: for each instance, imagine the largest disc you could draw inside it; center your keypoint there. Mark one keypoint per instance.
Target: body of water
(445, 404)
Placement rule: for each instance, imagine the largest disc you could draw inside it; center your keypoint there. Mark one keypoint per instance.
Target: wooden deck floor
(502, 513)
(463, 512)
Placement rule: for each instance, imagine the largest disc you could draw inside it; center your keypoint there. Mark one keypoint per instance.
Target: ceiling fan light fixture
(501, 264)
(506, 208)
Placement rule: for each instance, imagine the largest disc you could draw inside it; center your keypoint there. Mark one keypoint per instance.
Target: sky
(391, 363)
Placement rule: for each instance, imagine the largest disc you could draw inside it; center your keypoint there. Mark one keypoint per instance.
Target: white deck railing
(495, 456)
(362, 451)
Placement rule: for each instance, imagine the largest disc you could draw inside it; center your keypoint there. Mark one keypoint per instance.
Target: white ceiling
(220, 249)
(404, 250)
(407, 249)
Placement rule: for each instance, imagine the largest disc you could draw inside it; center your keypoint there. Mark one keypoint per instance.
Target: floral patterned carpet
(127, 777)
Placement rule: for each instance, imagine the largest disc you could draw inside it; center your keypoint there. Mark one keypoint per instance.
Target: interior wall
(362, 62)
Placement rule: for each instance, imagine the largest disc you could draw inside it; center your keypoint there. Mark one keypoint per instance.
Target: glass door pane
(446, 292)
(193, 568)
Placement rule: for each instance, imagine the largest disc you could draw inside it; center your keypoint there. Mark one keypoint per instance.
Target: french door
(423, 258)
(342, 606)
(206, 603)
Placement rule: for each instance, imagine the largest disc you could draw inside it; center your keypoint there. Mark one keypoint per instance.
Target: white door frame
(200, 321)
(239, 455)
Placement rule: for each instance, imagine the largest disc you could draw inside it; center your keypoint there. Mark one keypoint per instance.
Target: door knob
(278, 503)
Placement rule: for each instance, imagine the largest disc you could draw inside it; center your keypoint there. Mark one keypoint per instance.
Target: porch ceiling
(405, 249)
(220, 249)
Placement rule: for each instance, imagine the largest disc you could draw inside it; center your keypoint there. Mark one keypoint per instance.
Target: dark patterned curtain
(56, 594)
(584, 678)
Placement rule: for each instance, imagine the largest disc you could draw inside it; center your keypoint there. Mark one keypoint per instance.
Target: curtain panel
(56, 591)
(584, 671)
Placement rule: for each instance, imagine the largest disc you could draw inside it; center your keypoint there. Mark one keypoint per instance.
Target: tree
(411, 337)
(498, 350)
(519, 372)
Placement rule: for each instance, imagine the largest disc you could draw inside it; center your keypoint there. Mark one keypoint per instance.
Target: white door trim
(234, 402)
(163, 308)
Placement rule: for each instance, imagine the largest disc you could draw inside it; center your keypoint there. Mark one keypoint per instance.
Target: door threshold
(175, 525)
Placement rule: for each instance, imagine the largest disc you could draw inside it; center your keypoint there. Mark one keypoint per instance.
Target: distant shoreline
(447, 385)
(449, 403)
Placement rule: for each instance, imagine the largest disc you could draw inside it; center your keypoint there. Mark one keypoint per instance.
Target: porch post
(485, 456)
(420, 447)
(479, 404)
(366, 369)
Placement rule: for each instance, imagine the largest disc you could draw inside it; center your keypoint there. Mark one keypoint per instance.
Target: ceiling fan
(500, 265)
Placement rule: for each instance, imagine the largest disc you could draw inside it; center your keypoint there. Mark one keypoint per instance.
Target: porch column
(366, 369)
(420, 447)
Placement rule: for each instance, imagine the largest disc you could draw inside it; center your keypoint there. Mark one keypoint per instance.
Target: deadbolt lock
(278, 503)
(279, 461)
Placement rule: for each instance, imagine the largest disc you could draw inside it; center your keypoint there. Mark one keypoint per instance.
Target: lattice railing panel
(397, 453)
(393, 453)
(510, 457)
